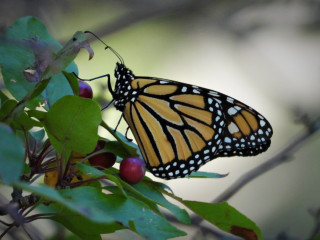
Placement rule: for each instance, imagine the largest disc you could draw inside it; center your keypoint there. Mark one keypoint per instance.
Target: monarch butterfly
(179, 127)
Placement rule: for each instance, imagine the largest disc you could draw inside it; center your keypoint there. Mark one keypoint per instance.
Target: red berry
(132, 169)
(102, 160)
(85, 90)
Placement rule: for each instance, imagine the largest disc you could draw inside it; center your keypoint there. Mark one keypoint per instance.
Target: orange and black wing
(180, 127)
(247, 133)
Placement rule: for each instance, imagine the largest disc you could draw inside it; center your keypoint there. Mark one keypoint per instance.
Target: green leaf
(117, 148)
(26, 168)
(38, 135)
(32, 61)
(23, 122)
(85, 201)
(72, 124)
(25, 44)
(200, 174)
(73, 81)
(59, 86)
(40, 115)
(125, 210)
(3, 97)
(82, 226)
(226, 218)
(157, 197)
(67, 54)
(158, 185)
(128, 148)
(111, 209)
(36, 91)
(90, 171)
(6, 108)
(118, 183)
(11, 155)
(133, 192)
(63, 60)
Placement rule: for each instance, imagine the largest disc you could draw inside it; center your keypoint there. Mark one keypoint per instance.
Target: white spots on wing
(232, 111)
(218, 100)
(213, 93)
(233, 128)
(230, 100)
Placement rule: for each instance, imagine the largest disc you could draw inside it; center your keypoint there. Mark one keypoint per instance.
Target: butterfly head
(123, 89)
(122, 72)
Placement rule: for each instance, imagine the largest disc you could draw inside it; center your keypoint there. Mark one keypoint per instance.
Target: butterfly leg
(126, 135)
(118, 123)
(91, 79)
(109, 103)
(109, 86)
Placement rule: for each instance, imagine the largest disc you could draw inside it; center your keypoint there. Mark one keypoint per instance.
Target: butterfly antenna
(107, 47)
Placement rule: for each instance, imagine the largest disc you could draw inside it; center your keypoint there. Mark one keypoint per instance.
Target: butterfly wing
(247, 133)
(180, 127)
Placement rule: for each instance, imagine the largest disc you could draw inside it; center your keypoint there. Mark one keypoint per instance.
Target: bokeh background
(264, 53)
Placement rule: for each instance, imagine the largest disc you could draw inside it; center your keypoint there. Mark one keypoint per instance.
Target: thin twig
(6, 231)
(273, 162)
(316, 231)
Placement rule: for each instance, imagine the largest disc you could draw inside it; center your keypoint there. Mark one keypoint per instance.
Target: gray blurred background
(264, 53)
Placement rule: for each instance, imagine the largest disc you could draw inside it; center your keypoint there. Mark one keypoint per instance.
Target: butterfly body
(179, 127)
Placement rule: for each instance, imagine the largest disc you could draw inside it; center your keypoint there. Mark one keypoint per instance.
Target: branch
(281, 157)
(273, 162)
(18, 202)
(316, 231)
